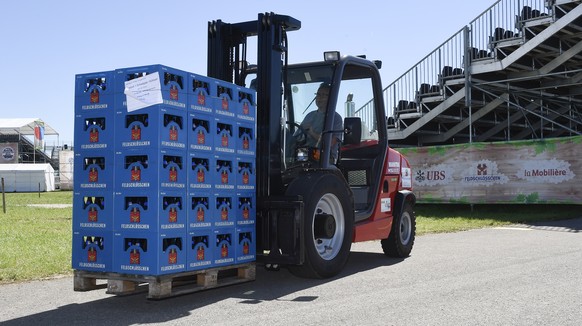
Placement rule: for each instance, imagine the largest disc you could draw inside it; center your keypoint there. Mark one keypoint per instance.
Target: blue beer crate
(155, 126)
(246, 143)
(92, 250)
(173, 84)
(94, 92)
(224, 172)
(151, 170)
(245, 173)
(200, 131)
(94, 171)
(150, 253)
(224, 102)
(200, 252)
(201, 171)
(246, 246)
(224, 134)
(200, 210)
(246, 208)
(224, 246)
(246, 108)
(224, 210)
(150, 211)
(95, 130)
(93, 210)
(201, 94)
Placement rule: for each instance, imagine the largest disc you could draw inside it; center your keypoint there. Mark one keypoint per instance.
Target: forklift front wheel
(328, 225)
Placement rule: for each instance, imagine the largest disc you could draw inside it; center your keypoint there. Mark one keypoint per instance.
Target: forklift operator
(314, 121)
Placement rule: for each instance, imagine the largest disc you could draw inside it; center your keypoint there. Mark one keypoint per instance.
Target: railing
(500, 21)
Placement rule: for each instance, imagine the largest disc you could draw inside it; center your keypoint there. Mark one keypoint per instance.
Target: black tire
(401, 239)
(324, 193)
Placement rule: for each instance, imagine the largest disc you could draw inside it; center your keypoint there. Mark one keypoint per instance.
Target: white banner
(548, 171)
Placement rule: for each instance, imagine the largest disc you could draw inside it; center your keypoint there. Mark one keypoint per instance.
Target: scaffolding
(512, 73)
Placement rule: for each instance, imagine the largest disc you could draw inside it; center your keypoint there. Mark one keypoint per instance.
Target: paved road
(523, 275)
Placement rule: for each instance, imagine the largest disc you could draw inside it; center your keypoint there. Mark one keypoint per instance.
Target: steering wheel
(300, 133)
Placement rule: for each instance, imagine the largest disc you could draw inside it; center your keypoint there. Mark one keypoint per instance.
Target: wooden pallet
(165, 286)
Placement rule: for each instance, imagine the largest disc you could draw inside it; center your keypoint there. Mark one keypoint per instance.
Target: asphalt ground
(517, 275)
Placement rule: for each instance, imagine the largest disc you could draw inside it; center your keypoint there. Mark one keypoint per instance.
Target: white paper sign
(143, 92)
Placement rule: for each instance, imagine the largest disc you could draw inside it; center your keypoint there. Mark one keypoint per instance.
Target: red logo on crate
(225, 104)
(245, 108)
(201, 137)
(134, 215)
(245, 178)
(94, 97)
(200, 253)
(92, 255)
(174, 92)
(200, 176)
(224, 251)
(135, 174)
(173, 133)
(201, 98)
(172, 256)
(136, 133)
(173, 174)
(94, 135)
(246, 248)
(224, 177)
(200, 215)
(93, 175)
(246, 143)
(173, 215)
(245, 213)
(224, 214)
(134, 258)
(224, 140)
(92, 214)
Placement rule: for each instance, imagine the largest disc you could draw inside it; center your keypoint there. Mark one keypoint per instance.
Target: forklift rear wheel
(328, 228)
(401, 239)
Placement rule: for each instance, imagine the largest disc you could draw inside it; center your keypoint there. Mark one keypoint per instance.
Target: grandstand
(513, 73)
(26, 139)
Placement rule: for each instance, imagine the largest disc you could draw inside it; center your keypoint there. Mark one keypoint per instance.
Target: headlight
(302, 154)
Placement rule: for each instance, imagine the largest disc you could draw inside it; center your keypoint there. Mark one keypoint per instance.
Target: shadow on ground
(571, 225)
(136, 309)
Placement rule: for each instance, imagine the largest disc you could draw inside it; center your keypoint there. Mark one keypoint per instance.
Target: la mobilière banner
(547, 171)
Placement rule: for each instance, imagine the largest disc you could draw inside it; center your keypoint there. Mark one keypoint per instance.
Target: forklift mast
(227, 52)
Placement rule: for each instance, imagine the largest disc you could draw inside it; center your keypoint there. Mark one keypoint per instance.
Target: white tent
(24, 126)
(27, 177)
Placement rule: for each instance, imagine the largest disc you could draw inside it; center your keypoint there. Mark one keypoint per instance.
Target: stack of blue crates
(167, 188)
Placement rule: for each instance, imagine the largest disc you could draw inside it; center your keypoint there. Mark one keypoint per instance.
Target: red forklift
(313, 201)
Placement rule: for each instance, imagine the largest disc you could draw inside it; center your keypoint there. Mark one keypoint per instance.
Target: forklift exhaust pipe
(324, 226)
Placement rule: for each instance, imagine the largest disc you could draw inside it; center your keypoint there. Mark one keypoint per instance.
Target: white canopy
(23, 126)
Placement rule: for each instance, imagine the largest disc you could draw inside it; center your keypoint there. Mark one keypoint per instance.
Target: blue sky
(45, 43)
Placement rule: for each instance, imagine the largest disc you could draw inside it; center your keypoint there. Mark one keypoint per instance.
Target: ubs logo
(430, 175)
(8, 153)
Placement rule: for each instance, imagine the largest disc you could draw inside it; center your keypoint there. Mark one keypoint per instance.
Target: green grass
(35, 242)
(440, 218)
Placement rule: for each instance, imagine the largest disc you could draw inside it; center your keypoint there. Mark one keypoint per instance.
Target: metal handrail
(502, 20)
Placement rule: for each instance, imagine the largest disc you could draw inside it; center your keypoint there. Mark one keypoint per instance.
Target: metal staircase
(55, 163)
(513, 73)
